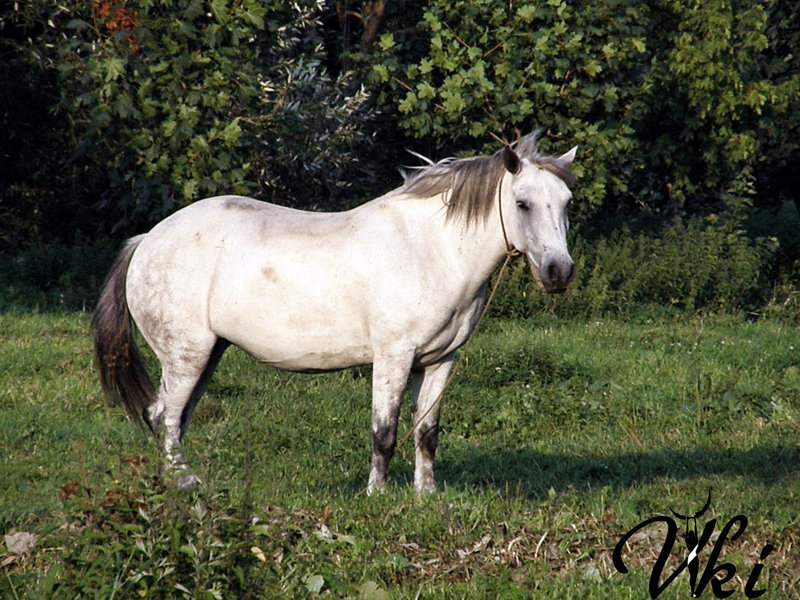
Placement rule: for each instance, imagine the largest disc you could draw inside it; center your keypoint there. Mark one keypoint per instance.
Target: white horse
(397, 282)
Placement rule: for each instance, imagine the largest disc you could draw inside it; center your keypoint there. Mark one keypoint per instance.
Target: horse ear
(566, 159)
(511, 160)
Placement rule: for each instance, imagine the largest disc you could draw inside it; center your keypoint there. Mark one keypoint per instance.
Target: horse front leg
(389, 378)
(427, 388)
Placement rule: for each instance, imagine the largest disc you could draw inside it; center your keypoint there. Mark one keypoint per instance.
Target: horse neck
(481, 244)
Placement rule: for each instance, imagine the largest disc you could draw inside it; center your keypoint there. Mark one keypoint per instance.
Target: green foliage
(702, 266)
(156, 91)
(310, 127)
(571, 70)
(673, 104)
(55, 275)
(698, 267)
(161, 103)
(135, 541)
(712, 86)
(118, 112)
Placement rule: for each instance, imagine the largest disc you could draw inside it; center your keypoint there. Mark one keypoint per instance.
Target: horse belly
(291, 324)
(300, 349)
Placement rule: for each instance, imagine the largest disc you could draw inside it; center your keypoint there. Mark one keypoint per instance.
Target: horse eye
(522, 206)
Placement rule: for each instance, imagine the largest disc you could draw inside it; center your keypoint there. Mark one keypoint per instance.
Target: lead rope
(511, 252)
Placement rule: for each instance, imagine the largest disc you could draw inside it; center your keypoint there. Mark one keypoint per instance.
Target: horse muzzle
(555, 274)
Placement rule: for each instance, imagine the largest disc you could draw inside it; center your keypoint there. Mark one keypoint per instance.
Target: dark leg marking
(383, 443)
(429, 441)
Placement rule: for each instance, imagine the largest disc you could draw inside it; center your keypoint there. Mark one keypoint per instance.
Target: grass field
(558, 437)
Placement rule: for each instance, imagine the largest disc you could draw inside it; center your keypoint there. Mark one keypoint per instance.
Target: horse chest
(452, 333)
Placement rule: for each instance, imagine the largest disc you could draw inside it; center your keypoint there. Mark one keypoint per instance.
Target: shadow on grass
(534, 473)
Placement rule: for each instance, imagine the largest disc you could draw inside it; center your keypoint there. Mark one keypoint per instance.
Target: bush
(696, 267)
(55, 275)
(148, 105)
(683, 113)
(675, 106)
(137, 541)
(312, 130)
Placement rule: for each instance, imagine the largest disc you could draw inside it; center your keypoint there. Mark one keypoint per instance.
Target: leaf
(426, 90)
(232, 133)
(386, 42)
(408, 104)
(593, 68)
(453, 102)
(219, 9)
(527, 12)
(314, 583)
(189, 189)
(370, 590)
(258, 553)
(477, 129)
(255, 13)
(160, 67)
(396, 562)
(478, 546)
(20, 543)
(381, 71)
(324, 533)
(77, 24)
(115, 66)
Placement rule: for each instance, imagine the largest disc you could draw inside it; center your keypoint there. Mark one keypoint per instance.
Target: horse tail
(123, 375)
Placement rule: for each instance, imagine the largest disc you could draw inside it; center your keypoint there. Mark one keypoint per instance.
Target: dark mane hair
(469, 184)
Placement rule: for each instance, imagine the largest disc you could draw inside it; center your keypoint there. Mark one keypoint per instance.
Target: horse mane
(469, 184)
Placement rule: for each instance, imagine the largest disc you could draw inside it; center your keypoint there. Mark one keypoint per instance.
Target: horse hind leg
(183, 382)
(202, 384)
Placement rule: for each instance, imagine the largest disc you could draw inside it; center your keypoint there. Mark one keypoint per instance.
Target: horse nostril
(552, 272)
(558, 274)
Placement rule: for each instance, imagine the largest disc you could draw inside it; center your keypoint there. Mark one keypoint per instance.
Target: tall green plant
(698, 265)
(712, 89)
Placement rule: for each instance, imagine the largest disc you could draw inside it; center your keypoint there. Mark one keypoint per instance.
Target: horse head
(534, 202)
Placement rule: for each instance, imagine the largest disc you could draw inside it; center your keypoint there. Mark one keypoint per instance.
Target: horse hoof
(188, 482)
(375, 488)
(427, 489)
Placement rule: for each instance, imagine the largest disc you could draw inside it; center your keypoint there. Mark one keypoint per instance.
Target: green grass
(558, 437)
